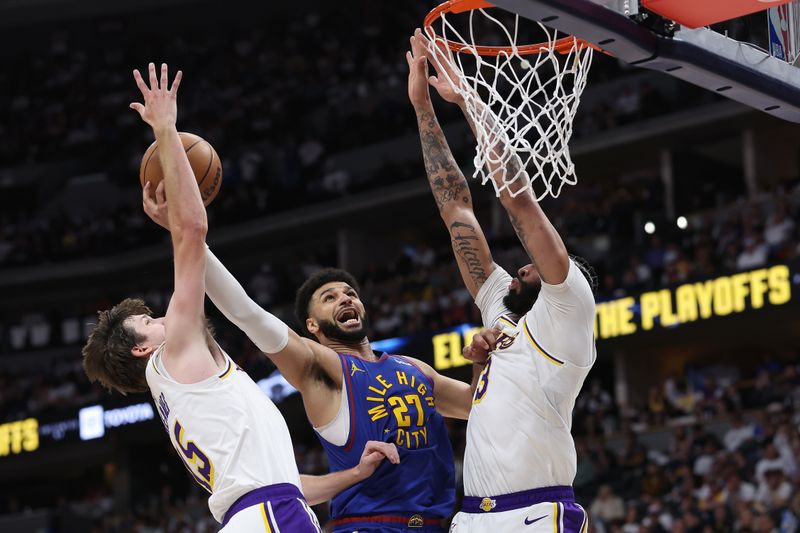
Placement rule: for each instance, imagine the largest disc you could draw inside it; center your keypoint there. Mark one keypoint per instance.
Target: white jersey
(518, 434)
(227, 432)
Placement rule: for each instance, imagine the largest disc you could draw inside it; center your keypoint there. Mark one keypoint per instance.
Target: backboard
(748, 59)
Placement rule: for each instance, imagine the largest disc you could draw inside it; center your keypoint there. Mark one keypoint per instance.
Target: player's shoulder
(412, 362)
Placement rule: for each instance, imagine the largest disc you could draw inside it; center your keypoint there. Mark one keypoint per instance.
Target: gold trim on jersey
(585, 525)
(228, 371)
(539, 348)
(264, 517)
(507, 321)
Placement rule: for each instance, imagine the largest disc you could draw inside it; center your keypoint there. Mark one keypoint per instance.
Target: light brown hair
(107, 356)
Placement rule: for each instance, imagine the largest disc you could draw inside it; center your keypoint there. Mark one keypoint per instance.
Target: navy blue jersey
(391, 400)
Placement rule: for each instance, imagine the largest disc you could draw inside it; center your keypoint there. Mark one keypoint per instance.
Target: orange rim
(562, 46)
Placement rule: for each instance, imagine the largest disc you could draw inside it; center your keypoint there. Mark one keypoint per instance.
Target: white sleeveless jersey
(518, 434)
(227, 432)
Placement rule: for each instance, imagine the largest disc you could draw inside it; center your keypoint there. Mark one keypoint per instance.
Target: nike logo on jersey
(529, 522)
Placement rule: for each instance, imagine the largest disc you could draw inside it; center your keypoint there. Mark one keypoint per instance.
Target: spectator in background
(753, 255)
(607, 506)
(774, 491)
(738, 434)
(779, 227)
(770, 460)
(737, 491)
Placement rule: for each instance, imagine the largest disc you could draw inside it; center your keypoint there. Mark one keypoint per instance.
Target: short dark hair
(307, 289)
(107, 354)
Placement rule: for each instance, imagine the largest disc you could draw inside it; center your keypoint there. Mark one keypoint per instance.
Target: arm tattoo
(465, 245)
(520, 231)
(446, 180)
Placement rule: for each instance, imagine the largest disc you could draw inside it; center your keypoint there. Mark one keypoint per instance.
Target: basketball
(203, 158)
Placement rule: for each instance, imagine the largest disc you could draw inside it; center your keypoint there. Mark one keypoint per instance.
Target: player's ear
(141, 351)
(312, 326)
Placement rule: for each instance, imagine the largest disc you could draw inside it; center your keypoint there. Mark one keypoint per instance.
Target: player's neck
(360, 349)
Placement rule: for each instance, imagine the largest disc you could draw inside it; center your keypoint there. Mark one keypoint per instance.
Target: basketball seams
(210, 162)
(143, 172)
(213, 165)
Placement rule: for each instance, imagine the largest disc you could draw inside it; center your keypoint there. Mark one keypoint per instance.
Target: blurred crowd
(279, 105)
(742, 477)
(420, 289)
(700, 456)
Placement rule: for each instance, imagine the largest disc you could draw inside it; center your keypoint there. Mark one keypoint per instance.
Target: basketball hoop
(521, 99)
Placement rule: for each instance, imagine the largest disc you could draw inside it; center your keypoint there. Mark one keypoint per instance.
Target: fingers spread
(176, 82)
(139, 108)
(137, 77)
(164, 76)
(153, 80)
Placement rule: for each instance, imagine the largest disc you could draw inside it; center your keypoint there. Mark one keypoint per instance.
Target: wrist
(358, 474)
(161, 130)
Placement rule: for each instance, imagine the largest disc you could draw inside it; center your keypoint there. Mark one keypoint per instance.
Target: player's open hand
(482, 345)
(418, 91)
(160, 108)
(441, 58)
(374, 453)
(155, 206)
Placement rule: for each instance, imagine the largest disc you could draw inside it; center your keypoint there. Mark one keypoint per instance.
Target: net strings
(522, 108)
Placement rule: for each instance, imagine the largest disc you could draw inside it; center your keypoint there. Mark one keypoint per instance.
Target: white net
(521, 106)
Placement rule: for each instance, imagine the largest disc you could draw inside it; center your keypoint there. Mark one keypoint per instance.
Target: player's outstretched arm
(185, 323)
(453, 397)
(538, 236)
(294, 357)
(319, 489)
(448, 185)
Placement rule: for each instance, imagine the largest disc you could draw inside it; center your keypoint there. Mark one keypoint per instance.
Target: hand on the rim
(441, 58)
(418, 91)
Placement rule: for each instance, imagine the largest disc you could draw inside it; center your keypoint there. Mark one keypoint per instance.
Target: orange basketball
(203, 158)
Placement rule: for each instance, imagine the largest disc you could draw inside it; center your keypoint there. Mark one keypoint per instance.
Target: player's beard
(332, 331)
(520, 302)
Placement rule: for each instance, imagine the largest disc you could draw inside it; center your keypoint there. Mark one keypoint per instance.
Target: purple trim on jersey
(228, 369)
(575, 518)
(271, 493)
(351, 401)
(533, 339)
(516, 500)
(415, 365)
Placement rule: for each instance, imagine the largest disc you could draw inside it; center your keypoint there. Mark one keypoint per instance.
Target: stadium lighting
(682, 222)
(649, 228)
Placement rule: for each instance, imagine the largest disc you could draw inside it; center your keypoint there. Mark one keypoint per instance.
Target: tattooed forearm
(465, 245)
(521, 234)
(446, 180)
